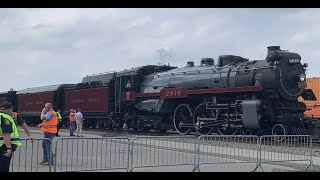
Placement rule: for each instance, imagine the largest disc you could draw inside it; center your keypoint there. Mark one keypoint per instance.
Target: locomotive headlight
(302, 77)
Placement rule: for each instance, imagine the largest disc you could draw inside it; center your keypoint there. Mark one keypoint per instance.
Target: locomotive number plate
(173, 93)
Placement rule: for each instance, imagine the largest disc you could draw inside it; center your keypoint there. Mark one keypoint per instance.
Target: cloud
(301, 15)
(142, 21)
(302, 26)
(306, 36)
(104, 39)
(209, 25)
(167, 26)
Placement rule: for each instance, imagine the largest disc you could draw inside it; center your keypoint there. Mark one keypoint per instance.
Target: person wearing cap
(79, 120)
(9, 136)
(72, 120)
(18, 120)
(49, 128)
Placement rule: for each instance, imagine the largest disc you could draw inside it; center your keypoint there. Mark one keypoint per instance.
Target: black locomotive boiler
(233, 95)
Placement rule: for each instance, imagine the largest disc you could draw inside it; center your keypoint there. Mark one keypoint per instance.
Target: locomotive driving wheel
(202, 112)
(181, 118)
(279, 131)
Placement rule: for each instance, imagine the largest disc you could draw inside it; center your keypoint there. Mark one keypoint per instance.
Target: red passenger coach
(88, 100)
(34, 102)
(31, 101)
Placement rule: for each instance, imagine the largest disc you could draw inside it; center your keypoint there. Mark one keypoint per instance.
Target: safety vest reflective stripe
(59, 115)
(48, 126)
(15, 133)
(12, 139)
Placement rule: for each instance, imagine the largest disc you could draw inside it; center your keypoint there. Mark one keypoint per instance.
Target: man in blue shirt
(49, 127)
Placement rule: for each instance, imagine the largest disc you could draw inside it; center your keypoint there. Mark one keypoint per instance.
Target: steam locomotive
(234, 95)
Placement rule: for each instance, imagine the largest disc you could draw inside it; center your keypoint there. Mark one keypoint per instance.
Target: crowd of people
(51, 123)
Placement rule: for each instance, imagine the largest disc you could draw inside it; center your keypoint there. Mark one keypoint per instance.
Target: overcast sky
(41, 47)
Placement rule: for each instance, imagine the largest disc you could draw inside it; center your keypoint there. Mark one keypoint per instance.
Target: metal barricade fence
(91, 154)
(218, 149)
(122, 153)
(285, 148)
(158, 151)
(28, 156)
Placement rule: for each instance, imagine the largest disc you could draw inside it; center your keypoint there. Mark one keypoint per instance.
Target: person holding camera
(49, 128)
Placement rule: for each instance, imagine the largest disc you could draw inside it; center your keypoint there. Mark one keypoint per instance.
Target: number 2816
(173, 93)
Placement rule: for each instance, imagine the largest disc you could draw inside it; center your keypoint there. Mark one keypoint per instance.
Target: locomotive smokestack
(273, 48)
(190, 64)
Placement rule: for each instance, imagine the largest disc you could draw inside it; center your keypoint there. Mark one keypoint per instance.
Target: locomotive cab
(128, 85)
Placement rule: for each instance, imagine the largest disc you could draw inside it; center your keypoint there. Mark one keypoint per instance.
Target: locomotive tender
(233, 95)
